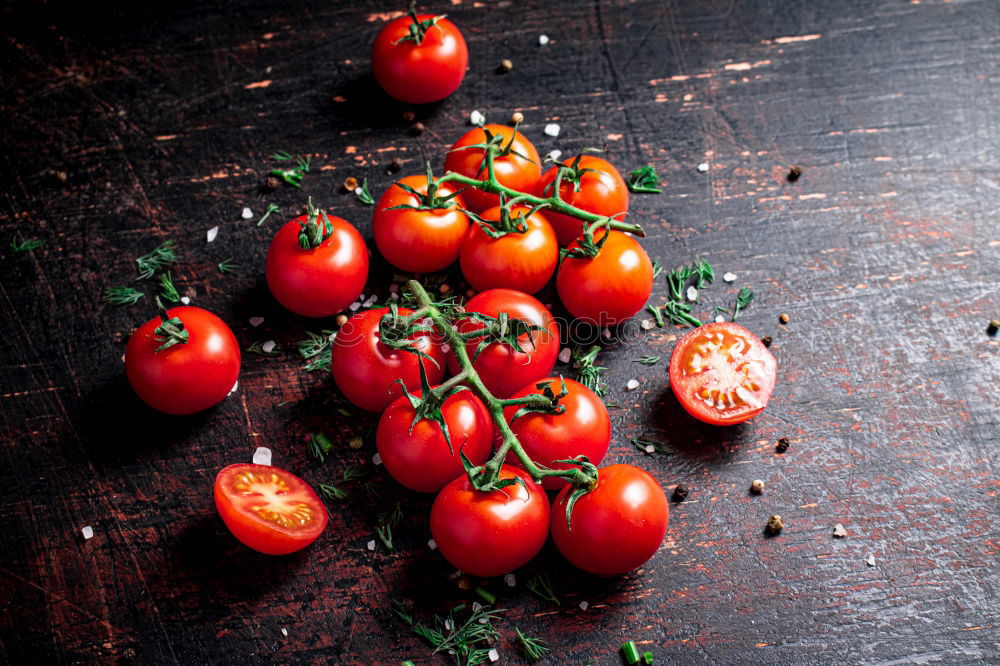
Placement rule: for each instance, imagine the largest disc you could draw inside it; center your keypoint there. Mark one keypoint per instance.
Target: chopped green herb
(703, 273)
(386, 522)
(533, 648)
(315, 348)
(657, 268)
(587, 372)
(353, 473)
(679, 314)
(647, 360)
(399, 609)
(294, 175)
(645, 444)
(657, 313)
(677, 279)
(644, 179)
(25, 245)
(468, 642)
(630, 652)
(227, 265)
(167, 289)
(485, 595)
(258, 348)
(163, 255)
(541, 586)
(332, 492)
(319, 446)
(122, 295)
(647, 658)
(743, 299)
(271, 208)
(364, 196)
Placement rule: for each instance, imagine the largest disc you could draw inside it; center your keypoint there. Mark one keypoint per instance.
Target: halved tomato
(722, 373)
(269, 509)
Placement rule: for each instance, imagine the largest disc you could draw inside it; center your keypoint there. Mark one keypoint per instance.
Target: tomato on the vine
(502, 368)
(490, 533)
(419, 58)
(183, 365)
(610, 287)
(617, 526)
(367, 370)
(317, 264)
(418, 455)
(422, 239)
(516, 167)
(722, 373)
(523, 259)
(583, 428)
(592, 184)
(268, 509)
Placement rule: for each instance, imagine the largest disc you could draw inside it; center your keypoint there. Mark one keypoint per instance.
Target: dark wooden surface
(885, 255)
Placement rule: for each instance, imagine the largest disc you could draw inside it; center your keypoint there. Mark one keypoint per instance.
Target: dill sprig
(167, 289)
(294, 175)
(588, 372)
(647, 360)
(657, 268)
(399, 609)
(228, 265)
(533, 648)
(680, 314)
(469, 640)
(364, 196)
(271, 208)
(541, 586)
(332, 492)
(644, 179)
(644, 444)
(353, 473)
(122, 295)
(677, 279)
(319, 445)
(743, 299)
(25, 244)
(315, 348)
(258, 348)
(163, 255)
(386, 522)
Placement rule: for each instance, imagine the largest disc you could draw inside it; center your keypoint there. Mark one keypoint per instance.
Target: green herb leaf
(160, 257)
(541, 586)
(271, 208)
(294, 175)
(122, 295)
(25, 244)
(258, 348)
(743, 299)
(679, 314)
(647, 360)
(657, 313)
(167, 289)
(227, 265)
(332, 492)
(364, 196)
(319, 446)
(657, 268)
(645, 180)
(386, 522)
(533, 648)
(644, 444)
(588, 372)
(315, 348)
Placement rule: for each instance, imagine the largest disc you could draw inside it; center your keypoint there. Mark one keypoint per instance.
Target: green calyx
(418, 29)
(429, 200)
(588, 472)
(428, 406)
(314, 230)
(170, 331)
(510, 222)
(551, 406)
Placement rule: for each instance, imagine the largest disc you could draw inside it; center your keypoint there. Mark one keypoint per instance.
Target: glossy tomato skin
(186, 377)
(602, 191)
(503, 369)
(583, 429)
(490, 534)
(366, 370)
(511, 170)
(322, 281)
(610, 287)
(617, 526)
(419, 241)
(300, 520)
(722, 373)
(522, 261)
(418, 456)
(419, 73)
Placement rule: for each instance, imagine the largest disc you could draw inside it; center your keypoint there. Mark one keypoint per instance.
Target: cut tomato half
(722, 373)
(269, 509)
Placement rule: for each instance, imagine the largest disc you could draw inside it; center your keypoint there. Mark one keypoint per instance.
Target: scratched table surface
(123, 128)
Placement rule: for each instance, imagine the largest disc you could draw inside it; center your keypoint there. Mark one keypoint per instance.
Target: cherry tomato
(322, 281)
(519, 169)
(417, 454)
(494, 533)
(599, 189)
(502, 368)
(617, 526)
(366, 370)
(522, 261)
(610, 287)
(186, 377)
(269, 509)
(722, 373)
(419, 241)
(424, 70)
(583, 429)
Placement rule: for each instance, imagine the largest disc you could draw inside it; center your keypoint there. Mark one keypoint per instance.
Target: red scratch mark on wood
(259, 84)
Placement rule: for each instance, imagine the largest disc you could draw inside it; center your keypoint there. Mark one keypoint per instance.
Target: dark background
(884, 254)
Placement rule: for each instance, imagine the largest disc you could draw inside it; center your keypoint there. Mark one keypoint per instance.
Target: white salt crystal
(256, 321)
(839, 531)
(284, 632)
(870, 561)
(552, 129)
(88, 532)
(692, 294)
(543, 39)
(247, 213)
(510, 580)
(555, 155)
(584, 605)
(371, 545)
(647, 324)
(371, 299)
(447, 625)
(719, 319)
(394, 296)
(703, 167)
(262, 456)
(354, 306)
(268, 346)
(729, 277)
(235, 386)
(650, 448)
(565, 355)
(212, 233)
(477, 118)
(432, 544)
(377, 459)
(185, 300)
(476, 607)
(606, 333)
(494, 655)
(632, 384)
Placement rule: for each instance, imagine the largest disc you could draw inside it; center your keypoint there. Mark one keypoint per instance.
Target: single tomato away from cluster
(268, 509)
(317, 264)
(589, 183)
(582, 428)
(502, 368)
(617, 526)
(426, 237)
(494, 533)
(517, 165)
(419, 58)
(367, 371)
(183, 362)
(523, 258)
(722, 373)
(416, 452)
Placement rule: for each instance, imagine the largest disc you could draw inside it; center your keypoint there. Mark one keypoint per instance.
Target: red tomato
(490, 534)
(583, 429)
(419, 241)
(269, 509)
(722, 373)
(503, 369)
(610, 287)
(419, 72)
(601, 191)
(189, 376)
(617, 526)
(522, 261)
(511, 170)
(417, 455)
(322, 281)
(366, 370)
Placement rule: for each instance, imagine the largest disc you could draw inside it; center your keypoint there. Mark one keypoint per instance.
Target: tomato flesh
(269, 509)
(722, 373)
